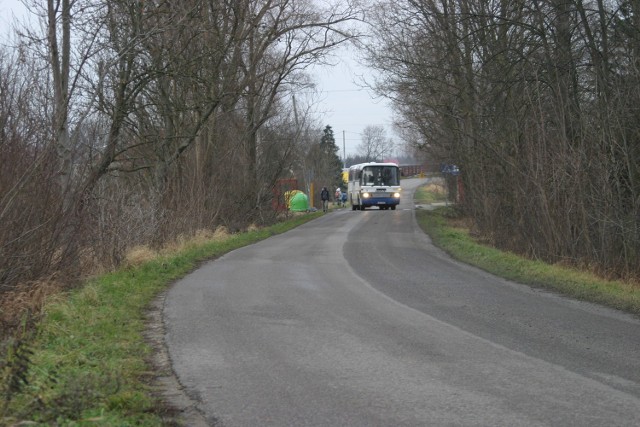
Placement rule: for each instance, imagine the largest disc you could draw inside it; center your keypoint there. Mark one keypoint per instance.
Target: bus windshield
(380, 175)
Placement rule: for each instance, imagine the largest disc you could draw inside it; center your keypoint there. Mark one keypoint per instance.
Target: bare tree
(29, 201)
(375, 145)
(289, 38)
(140, 109)
(527, 98)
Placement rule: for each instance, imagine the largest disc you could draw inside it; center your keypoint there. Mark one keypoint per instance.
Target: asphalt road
(356, 319)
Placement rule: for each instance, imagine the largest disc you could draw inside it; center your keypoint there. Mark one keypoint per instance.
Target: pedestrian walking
(337, 199)
(324, 196)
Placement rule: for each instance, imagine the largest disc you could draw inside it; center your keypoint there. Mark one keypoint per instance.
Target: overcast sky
(343, 103)
(346, 105)
(7, 9)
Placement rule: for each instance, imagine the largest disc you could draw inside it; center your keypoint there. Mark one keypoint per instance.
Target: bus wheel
(393, 207)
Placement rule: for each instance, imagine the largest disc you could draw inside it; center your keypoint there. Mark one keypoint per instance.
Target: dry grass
(139, 255)
(29, 298)
(144, 253)
(200, 237)
(435, 188)
(26, 300)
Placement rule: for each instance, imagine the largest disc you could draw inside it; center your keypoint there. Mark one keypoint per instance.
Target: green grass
(430, 194)
(88, 362)
(567, 281)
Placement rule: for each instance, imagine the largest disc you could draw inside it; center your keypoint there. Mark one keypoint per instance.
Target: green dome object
(299, 202)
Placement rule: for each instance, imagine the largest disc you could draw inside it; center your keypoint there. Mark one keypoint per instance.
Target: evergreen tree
(332, 161)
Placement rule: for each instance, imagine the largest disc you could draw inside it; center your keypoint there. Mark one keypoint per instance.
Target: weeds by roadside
(447, 231)
(14, 367)
(433, 192)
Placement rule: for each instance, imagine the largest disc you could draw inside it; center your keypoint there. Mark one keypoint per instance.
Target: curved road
(356, 319)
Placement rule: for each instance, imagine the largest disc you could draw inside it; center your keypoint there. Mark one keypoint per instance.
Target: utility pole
(344, 152)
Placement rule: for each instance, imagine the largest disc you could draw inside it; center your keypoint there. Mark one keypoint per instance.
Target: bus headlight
(365, 195)
(396, 195)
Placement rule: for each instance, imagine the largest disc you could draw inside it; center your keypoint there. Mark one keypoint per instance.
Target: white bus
(374, 184)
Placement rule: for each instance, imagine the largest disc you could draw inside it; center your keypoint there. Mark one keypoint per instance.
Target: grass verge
(433, 192)
(88, 363)
(578, 284)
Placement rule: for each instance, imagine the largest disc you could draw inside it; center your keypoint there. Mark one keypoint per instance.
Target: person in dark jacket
(324, 196)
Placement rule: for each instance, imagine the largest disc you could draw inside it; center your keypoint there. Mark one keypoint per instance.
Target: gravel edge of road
(166, 386)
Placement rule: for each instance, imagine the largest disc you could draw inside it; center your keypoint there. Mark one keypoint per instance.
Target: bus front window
(380, 176)
(390, 176)
(367, 177)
